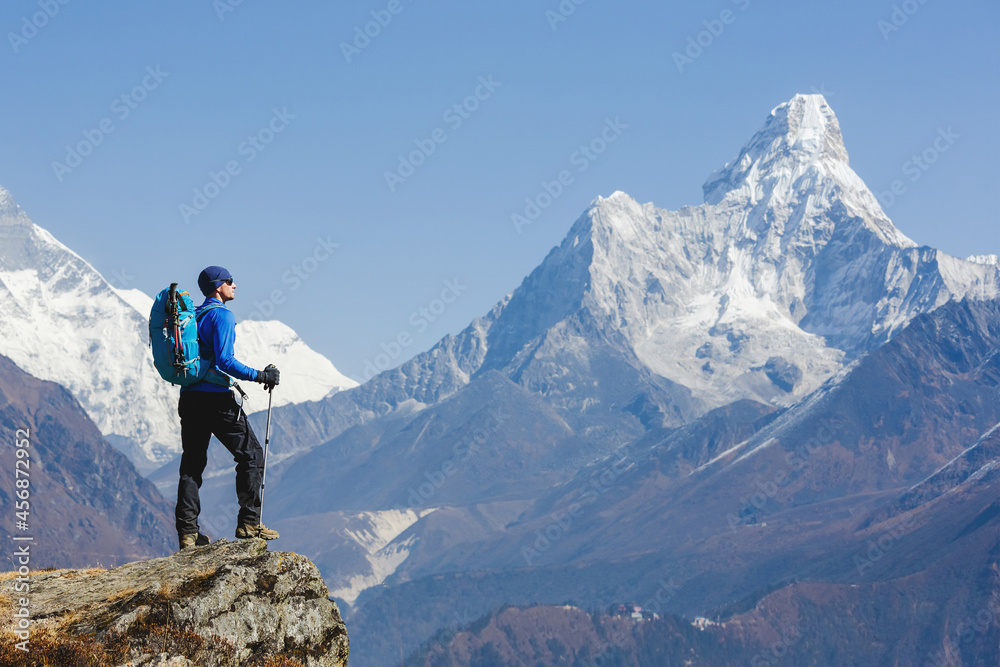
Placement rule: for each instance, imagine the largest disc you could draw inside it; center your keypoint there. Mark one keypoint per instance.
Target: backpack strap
(201, 313)
(212, 375)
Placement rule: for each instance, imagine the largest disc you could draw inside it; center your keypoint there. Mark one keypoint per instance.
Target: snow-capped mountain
(306, 375)
(642, 320)
(788, 269)
(787, 272)
(63, 322)
(990, 260)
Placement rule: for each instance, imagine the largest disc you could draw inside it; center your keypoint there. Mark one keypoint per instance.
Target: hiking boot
(245, 530)
(192, 540)
(188, 541)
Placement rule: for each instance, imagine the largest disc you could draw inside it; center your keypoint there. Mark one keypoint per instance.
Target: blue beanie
(210, 279)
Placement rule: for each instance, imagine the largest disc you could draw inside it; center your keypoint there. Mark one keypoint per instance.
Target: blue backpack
(173, 337)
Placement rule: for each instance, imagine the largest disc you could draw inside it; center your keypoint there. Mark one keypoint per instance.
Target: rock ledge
(227, 603)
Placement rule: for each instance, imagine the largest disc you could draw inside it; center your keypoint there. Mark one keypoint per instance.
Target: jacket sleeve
(223, 339)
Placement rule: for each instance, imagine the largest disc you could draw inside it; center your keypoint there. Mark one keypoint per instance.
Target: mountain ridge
(716, 328)
(86, 503)
(815, 493)
(708, 304)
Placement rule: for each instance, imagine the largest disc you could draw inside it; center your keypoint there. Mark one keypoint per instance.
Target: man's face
(227, 290)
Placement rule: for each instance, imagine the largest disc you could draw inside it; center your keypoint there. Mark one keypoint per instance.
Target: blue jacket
(217, 335)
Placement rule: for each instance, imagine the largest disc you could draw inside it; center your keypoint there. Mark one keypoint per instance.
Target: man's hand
(269, 377)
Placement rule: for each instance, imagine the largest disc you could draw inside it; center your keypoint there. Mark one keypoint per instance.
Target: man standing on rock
(210, 408)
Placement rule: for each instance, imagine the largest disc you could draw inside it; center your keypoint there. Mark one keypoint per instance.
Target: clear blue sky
(553, 85)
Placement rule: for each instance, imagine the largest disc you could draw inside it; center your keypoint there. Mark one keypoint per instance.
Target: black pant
(204, 414)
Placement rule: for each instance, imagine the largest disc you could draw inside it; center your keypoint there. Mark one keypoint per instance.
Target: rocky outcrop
(226, 603)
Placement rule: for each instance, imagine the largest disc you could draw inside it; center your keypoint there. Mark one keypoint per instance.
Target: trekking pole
(267, 437)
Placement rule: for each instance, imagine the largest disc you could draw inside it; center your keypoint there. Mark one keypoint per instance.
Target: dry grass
(7, 576)
(64, 624)
(166, 592)
(197, 583)
(280, 661)
(48, 650)
(154, 633)
(122, 594)
(63, 572)
(83, 572)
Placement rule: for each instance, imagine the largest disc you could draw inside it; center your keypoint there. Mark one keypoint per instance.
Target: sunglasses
(228, 281)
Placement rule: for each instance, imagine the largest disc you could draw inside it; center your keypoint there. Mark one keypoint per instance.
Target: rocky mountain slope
(221, 604)
(567, 635)
(935, 617)
(83, 502)
(642, 319)
(63, 322)
(876, 492)
(726, 391)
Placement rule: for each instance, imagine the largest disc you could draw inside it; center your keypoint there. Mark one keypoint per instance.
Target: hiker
(209, 408)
